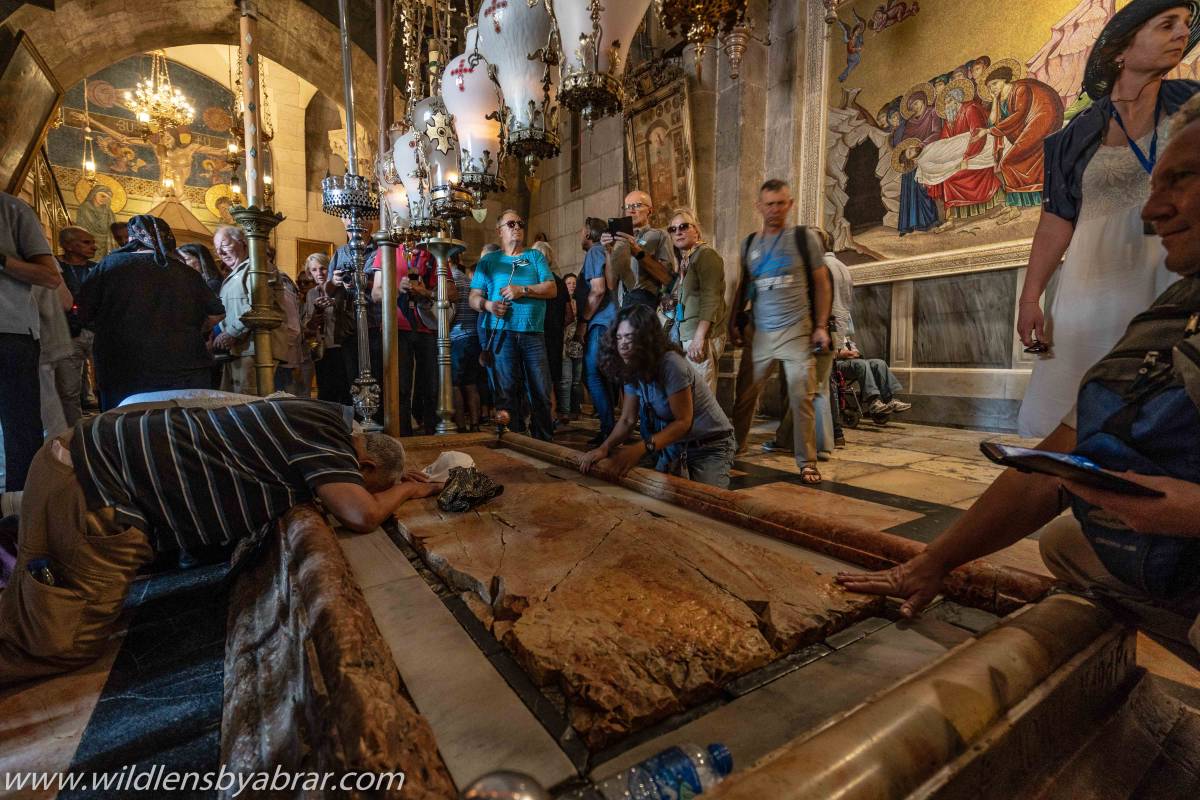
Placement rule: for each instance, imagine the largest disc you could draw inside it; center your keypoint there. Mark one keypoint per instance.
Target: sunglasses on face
(683, 226)
(513, 224)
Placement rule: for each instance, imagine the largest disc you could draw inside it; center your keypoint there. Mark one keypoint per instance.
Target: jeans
(520, 365)
(464, 360)
(570, 388)
(711, 464)
(874, 377)
(598, 386)
(418, 381)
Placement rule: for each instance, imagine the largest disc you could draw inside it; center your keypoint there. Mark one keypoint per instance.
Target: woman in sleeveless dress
(1097, 179)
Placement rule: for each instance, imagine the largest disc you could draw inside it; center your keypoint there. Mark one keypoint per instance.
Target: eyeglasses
(683, 226)
(634, 206)
(513, 224)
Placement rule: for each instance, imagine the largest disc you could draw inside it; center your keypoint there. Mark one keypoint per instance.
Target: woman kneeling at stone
(682, 425)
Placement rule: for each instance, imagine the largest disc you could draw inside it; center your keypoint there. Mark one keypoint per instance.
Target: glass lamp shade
(439, 140)
(473, 100)
(596, 35)
(515, 38)
(417, 218)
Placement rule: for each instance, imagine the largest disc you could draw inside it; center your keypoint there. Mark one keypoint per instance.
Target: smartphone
(1063, 465)
(620, 225)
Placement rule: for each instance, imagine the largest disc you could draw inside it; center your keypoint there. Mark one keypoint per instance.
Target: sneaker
(877, 406)
(839, 441)
(897, 406)
(824, 455)
(773, 447)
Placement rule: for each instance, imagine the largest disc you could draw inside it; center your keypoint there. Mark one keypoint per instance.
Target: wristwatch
(650, 447)
(639, 255)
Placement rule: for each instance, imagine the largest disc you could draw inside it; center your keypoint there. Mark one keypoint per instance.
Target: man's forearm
(546, 290)
(656, 268)
(594, 300)
(41, 271)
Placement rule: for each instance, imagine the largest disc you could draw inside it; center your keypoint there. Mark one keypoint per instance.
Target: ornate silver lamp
(519, 40)
(354, 199)
(595, 42)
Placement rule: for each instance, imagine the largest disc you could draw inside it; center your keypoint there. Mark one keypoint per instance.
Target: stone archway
(81, 37)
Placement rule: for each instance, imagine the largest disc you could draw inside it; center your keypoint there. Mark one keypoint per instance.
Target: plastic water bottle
(676, 773)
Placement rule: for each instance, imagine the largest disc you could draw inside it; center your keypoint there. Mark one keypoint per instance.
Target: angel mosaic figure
(853, 37)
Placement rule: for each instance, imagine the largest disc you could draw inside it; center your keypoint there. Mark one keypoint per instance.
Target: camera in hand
(620, 225)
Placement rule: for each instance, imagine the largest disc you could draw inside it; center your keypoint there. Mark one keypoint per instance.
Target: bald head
(639, 206)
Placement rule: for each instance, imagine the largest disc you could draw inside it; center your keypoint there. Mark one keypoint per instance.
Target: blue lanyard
(1146, 162)
(767, 256)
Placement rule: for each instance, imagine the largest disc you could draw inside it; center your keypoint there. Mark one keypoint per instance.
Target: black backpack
(801, 233)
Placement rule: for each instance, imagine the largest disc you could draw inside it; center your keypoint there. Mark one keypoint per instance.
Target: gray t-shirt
(843, 295)
(674, 375)
(629, 269)
(779, 279)
(21, 237)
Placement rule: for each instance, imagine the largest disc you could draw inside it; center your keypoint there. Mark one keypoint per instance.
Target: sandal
(810, 475)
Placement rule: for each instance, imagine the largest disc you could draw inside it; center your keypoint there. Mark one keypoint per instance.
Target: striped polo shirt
(204, 476)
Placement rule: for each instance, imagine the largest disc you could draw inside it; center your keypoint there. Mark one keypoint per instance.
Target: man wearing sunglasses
(643, 262)
(512, 286)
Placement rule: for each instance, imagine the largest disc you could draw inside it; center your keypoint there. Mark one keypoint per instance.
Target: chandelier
(596, 35)
(155, 103)
(700, 21)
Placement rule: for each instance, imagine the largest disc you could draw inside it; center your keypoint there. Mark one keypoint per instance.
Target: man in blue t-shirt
(512, 286)
(597, 310)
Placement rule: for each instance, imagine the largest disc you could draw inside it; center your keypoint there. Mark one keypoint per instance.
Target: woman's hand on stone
(591, 457)
(916, 582)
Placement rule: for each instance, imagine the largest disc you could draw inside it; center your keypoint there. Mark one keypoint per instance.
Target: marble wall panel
(872, 315)
(964, 320)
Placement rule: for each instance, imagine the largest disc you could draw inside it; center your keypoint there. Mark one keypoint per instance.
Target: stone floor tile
(919, 486)
(983, 472)
(881, 455)
(849, 509)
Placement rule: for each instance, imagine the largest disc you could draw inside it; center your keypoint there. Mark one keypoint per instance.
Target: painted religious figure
(971, 189)
(953, 108)
(1024, 112)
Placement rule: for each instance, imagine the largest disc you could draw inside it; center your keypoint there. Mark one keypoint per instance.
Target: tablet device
(1063, 465)
(620, 225)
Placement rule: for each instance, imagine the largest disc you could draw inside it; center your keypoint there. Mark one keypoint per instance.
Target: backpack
(801, 233)
(1139, 410)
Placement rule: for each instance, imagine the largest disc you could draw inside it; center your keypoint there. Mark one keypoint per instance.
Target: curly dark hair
(650, 344)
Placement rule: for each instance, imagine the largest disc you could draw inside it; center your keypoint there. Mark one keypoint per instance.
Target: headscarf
(150, 232)
(1101, 73)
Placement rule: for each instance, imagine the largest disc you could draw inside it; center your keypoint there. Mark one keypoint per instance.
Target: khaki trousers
(1070, 557)
(47, 629)
(708, 369)
(239, 376)
(791, 347)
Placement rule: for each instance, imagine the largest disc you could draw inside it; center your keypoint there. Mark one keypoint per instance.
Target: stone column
(256, 220)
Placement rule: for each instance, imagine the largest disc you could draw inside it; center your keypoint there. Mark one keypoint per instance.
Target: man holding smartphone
(1139, 554)
(512, 285)
(643, 262)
